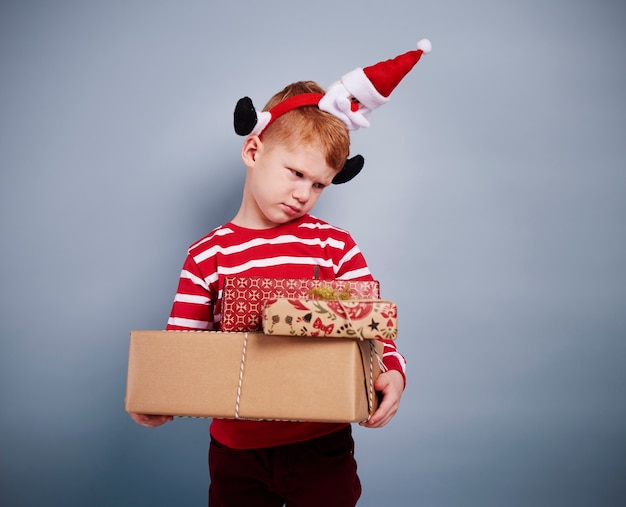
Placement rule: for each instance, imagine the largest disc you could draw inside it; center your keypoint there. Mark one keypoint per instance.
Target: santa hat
(351, 100)
(385, 76)
(361, 91)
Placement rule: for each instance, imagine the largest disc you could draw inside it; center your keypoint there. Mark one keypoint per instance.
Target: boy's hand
(391, 385)
(150, 421)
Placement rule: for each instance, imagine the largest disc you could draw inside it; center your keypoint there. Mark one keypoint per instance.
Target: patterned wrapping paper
(338, 318)
(243, 297)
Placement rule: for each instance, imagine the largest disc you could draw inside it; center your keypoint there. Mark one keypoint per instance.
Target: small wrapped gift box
(335, 318)
(243, 297)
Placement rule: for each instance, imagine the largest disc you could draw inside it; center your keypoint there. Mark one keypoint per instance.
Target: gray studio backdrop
(491, 209)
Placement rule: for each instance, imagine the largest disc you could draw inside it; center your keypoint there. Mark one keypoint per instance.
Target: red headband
(293, 102)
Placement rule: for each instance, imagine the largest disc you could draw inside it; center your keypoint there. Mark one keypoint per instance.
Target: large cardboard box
(252, 376)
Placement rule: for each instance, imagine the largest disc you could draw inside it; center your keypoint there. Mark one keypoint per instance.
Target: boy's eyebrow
(306, 173)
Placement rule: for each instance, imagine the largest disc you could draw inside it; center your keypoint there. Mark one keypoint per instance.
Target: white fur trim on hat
(357, 83)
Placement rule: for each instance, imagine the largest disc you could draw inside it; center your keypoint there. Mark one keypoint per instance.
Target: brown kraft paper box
(252, 376)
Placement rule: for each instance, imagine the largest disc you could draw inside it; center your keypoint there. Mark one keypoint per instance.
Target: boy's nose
(301, 193)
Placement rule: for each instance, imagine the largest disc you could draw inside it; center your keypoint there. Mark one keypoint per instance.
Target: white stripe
(195, 279)
(351, 253)
(316, 225)
(194, 324)
(190, 298)
(280, 240)
(357, 273)
(320, 225)
(222, 231)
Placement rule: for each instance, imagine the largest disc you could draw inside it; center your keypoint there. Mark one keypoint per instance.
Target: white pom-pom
(425, 45)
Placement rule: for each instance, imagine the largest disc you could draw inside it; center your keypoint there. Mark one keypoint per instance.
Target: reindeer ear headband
(351, 99)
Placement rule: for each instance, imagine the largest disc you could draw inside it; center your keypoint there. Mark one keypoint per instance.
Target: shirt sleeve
(194, 300)
(392, 359)
(354, 266)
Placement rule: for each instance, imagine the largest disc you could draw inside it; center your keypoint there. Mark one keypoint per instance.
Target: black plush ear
(245, 116)
(350, 169)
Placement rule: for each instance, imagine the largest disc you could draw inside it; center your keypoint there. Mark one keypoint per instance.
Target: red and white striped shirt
(292, 250)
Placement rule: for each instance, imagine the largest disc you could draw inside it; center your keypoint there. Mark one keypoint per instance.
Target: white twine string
(383, 368)
(243, 361)
(370, 394)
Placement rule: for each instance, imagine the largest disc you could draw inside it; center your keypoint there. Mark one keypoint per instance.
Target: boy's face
(283, 182)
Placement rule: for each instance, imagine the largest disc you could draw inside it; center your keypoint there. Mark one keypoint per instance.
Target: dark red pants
(315, 473)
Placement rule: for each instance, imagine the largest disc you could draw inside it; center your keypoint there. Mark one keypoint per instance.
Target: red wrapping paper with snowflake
(365, 319)
(243, 297)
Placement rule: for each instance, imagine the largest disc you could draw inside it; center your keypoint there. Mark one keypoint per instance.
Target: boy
(293, 151)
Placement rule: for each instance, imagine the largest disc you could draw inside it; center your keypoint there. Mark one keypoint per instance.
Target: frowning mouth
(291, 210)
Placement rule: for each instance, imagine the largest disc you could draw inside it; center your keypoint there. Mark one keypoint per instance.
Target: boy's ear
(249, 150)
